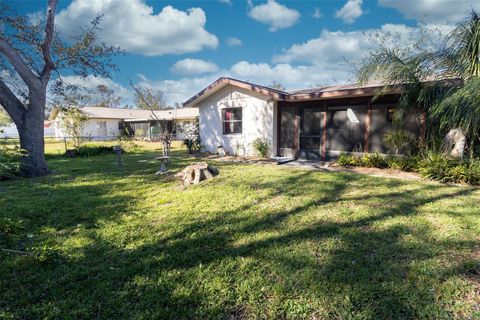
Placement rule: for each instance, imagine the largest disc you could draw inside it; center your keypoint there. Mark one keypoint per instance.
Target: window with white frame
(101, 128)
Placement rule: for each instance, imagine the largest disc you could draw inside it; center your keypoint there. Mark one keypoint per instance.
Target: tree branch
(16, 60)
(47, 42)
(10, 102)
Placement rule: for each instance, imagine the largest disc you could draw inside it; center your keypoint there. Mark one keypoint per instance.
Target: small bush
(375, 160)
(91, 151)
(9, 162)
(262, 147)
(347, 160)
(472, 175)
(406, 163)
(436, 166)
(400, 140)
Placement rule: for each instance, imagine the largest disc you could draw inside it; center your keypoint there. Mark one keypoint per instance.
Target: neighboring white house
(107, 123)
(11, 131)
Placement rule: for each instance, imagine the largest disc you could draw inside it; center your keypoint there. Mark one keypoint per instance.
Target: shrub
(191, 130)
(127, 144)
(400, 140)
(406, 163)
(347, 160)
(90, 151)
(262, 147)
(435, 166)
(472, 174)
(375, 160)
(9, 162)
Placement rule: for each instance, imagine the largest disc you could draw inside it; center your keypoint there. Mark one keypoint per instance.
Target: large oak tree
(32, 54)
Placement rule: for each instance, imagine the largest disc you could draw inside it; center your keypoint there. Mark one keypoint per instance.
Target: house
(316, 123)
(108, 123)
(10, 131)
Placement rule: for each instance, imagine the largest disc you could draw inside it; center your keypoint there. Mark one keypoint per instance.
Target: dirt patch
(239, 159)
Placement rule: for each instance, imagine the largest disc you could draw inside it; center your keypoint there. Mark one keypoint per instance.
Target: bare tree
(277, 85)
(34, 52)
(73, 121)
(105, 97)
(165, 126)
(155, 98)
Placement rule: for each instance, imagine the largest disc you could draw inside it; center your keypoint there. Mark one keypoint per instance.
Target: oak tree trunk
(30, 130)
(31, 140)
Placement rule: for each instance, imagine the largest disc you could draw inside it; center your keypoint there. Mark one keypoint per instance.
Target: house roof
(140, 114)
(224, 81)
(327, 92)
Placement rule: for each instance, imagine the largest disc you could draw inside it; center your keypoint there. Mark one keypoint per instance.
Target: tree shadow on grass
(260, 259)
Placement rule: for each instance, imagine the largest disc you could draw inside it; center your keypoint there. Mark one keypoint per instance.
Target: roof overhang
(342, 93)
(325, 93)
(223, 82)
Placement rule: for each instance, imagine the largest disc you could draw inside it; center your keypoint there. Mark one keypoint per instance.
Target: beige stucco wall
(258, 120)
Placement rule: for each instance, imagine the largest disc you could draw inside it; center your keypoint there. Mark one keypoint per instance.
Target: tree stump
(197, 172)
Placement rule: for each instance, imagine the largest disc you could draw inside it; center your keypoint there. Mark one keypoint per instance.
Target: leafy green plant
(90, 151)
(73, 122)
(262, 147)
(472, 175)
(400, 140)
(192, 136)
(10, 162)
(375, 160)
(346, 160)
(405, 163)
(435, 166)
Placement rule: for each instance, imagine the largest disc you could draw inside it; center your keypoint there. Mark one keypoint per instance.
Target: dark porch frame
(372, 124)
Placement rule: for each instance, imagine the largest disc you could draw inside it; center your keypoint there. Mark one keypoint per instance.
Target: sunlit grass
(258, 241)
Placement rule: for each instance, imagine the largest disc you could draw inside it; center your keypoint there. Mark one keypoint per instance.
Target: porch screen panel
(287, 128)
(346, 129)
(311, 130)
(338, 130)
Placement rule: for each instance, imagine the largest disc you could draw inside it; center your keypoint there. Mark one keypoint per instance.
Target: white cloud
(178, 90)
(92, 82)
(193, 67)
(229, 2)
(291, 77)
(433, 10)
(134, 26)
(35, 18)
(276, 15)
(234, 42)
(334, 47)
(351, 11)
(317, 14)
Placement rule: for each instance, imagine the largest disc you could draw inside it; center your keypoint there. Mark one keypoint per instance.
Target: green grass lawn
(258, 241)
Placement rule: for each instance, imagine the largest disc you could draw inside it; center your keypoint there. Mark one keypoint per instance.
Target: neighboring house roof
(328, 92)
(133, 114)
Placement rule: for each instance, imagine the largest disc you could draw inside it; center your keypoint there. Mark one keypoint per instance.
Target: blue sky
(182, 46)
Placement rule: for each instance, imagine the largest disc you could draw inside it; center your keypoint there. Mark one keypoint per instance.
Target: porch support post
(324, 135)
(279, 124)
(297, 126)
(423, 129)
(368, 121)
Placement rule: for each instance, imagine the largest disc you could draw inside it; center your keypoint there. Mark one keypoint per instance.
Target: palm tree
(460, 109)
(441, 83)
